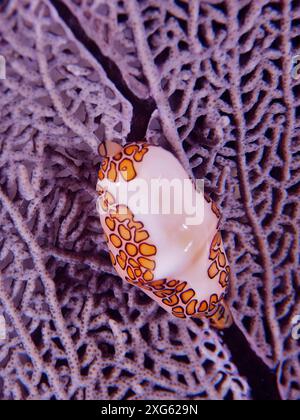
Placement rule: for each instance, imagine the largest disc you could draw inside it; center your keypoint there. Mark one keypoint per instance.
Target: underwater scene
(149, 202)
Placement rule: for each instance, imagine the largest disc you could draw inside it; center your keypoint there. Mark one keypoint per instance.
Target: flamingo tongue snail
(182, 267)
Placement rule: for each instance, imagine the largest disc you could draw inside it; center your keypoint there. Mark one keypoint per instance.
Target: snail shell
(182, 266)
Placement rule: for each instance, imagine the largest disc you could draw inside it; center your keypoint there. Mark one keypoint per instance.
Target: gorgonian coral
(217, 76)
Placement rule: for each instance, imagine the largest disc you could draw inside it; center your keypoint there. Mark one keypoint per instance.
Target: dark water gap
(142, 109)
(262, 380)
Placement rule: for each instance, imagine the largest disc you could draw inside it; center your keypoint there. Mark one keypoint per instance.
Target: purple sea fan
(214, 81)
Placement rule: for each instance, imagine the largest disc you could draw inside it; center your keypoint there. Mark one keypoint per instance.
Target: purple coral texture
(214, 82)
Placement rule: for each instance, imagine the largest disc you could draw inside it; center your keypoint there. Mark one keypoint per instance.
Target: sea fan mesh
(227, 102)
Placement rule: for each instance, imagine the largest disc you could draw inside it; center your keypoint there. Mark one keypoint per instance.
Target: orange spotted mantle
(132, 252)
